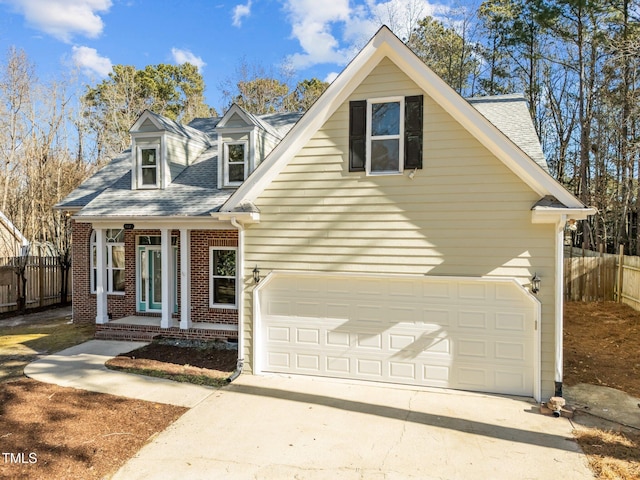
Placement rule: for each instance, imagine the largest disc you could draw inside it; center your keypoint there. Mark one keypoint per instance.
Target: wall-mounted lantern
(535, 283)
(256, 275)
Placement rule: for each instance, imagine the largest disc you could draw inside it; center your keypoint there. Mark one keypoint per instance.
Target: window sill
(378, 174)
(220, 306)
(117, 294)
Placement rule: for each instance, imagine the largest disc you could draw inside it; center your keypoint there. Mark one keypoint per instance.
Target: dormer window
(235, 163)
(148, 163)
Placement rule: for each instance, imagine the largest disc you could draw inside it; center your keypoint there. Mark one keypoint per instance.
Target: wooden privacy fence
(594, 276)
(43, 286)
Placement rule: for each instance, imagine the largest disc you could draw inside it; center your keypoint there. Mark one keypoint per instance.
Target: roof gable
(148, 120)
(385, 44)
(237, 117)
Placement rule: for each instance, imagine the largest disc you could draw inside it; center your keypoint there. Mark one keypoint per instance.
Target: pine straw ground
(602, 347)
(62, 433)
(51, 432)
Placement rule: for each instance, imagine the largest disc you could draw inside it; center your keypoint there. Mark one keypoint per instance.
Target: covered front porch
(179, 278)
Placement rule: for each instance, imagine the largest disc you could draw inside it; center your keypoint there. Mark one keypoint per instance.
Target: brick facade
(123, 305)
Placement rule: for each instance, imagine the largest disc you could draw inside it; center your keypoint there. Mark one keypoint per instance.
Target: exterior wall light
(256, 275)
(535, 283)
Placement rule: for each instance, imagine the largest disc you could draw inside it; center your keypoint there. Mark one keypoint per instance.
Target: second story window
(235, 163)
(148, 162)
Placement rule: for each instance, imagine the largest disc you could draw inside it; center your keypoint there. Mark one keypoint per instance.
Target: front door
(150, 278)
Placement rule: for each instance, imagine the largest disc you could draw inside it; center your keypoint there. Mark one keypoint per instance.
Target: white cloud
(331, 76)
(63, 19)
(333, 32)
(185, 56)
(239, 12)
(91, 62)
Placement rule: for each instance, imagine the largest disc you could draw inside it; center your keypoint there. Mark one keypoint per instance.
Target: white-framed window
(114, 261)
(222, 284)
(385, 134)
(235, 162)
(148, 166)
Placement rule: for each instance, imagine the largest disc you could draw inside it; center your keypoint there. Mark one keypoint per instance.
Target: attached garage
(475, 334)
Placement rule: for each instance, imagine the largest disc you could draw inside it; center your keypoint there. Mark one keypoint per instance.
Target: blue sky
(315, 38)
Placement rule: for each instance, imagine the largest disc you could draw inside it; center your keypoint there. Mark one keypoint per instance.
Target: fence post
(600, 293)
(41, 276)
(620, 270)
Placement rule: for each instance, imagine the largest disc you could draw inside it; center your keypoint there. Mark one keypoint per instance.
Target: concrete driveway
(277, 427)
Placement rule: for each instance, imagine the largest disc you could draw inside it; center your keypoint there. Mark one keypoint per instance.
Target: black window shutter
(413, 112)
(357, 135)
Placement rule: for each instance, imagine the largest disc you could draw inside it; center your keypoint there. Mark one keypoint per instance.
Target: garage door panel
(309, 336)
(468, 348)
(473, 291)
(479, 338)
(512, 351)
(402, 371)
(340, 366)
(309, 362)
(436, 375)
(472, 319)
(278, 334)
(436, 317)
(513, 321)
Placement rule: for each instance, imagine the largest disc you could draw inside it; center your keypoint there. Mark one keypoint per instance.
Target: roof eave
(555, 214)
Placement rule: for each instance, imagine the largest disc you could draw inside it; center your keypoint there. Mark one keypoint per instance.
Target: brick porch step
(126, 335)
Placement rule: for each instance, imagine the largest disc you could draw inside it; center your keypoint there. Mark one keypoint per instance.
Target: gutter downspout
(240, 268)
(559, 327)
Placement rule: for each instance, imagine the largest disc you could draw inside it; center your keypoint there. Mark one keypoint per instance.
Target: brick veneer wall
(201, 241)
(84, 304)
(119, 306)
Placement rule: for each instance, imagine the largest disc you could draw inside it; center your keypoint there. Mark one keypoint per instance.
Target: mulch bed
(52, 432)
(177, 359)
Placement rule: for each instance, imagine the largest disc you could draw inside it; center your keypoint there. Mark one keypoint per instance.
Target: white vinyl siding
(464, 214)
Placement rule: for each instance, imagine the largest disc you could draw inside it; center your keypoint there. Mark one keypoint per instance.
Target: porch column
(102, 315)
(185, 278)
(166, 255)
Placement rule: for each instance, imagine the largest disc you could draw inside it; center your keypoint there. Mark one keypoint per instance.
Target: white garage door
(461, 333)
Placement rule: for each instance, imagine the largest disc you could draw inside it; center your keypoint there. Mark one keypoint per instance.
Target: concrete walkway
(83, 367)
(604, 402)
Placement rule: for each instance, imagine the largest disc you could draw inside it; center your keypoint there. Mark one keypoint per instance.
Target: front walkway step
(127, 335)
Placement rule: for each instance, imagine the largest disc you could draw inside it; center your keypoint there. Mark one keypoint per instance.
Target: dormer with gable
(161, 149)
(244, 140)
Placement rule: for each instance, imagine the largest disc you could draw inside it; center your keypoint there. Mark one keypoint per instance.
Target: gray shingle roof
(186, 131)
(192, 193)
(510, 114)
(98, 182)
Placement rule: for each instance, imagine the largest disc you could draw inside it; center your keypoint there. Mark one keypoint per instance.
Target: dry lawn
(602, 347)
